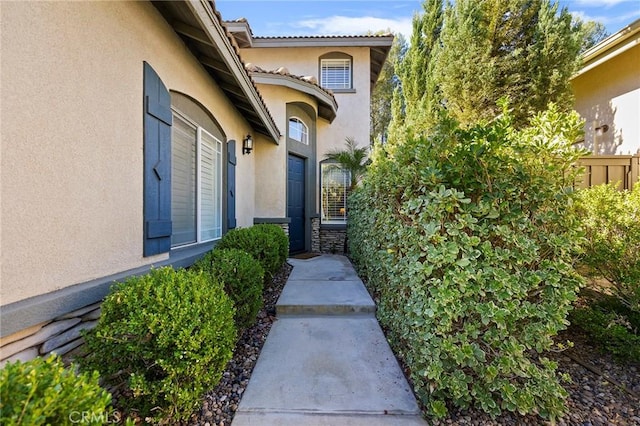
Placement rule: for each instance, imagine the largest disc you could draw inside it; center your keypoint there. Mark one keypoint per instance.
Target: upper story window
(298, 131)
(336, 71)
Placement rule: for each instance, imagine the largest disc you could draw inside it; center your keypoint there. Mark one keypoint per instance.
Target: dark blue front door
(295, 203)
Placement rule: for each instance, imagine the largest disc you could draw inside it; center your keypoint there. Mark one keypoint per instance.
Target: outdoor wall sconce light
(602, 129)
(247, 145)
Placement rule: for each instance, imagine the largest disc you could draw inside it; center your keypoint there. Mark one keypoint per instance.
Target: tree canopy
(465, 56)
(382, 95)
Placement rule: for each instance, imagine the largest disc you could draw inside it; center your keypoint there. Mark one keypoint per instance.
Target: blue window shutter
(157, 164)
(231, 184)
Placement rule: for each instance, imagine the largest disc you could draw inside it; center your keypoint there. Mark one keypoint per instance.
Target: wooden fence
(610, 168)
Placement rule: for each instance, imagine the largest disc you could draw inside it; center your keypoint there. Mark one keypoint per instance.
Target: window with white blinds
(334, 193)
(196, 183)
(335, 73)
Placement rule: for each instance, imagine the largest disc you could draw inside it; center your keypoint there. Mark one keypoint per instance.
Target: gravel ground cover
(221, 403)
(593, 400)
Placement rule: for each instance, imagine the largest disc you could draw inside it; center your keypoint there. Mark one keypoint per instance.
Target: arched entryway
(301, 172)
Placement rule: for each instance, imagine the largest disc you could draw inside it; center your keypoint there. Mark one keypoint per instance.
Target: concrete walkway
(326, 360)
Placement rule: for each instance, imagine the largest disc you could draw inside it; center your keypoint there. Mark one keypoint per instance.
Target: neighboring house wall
(72, 149)
(607, 93)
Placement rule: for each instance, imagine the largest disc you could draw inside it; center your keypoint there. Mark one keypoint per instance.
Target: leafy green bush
(611, 220)
(167, 337)
(263, 246)
(281, 238)
(612, 326)
(466, 240)
(42, 391)
(242, 277)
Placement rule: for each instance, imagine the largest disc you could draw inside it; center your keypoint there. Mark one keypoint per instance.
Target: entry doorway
(296, 203)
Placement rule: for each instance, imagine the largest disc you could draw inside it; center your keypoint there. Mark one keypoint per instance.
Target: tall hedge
(466, 241)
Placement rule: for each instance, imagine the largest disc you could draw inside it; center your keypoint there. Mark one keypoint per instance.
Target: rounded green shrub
(280, 237)
(166, 336)
(44, 392)
(467, 241)
(242, 277)
(263, 246)
(611, 220)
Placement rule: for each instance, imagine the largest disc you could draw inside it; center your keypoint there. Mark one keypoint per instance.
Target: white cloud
(600, 3)
(608, 20)
(342, 25)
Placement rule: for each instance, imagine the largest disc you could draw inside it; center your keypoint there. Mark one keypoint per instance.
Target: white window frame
(346, 64)
(304, 131)
(198, 181)
(345, 183)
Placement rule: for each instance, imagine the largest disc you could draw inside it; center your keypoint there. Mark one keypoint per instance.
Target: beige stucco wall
(271, 163)
(353, 108)
(610, 94)
(270, 179)
(72, 159)
(271, 166)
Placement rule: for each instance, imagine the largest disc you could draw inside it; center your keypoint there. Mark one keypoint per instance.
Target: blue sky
(326, 17)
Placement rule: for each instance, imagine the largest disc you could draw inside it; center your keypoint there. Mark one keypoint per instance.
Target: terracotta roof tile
(237, 52)
(284, 71)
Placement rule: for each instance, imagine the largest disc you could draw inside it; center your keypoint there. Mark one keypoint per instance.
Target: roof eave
(610, 47)
(379, 46)
(241, 32)
(212, 25)
(207, 39)
(324, 41)
(327, 104)
(378, 56)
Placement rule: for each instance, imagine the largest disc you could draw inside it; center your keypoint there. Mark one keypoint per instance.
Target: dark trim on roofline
(324, 41)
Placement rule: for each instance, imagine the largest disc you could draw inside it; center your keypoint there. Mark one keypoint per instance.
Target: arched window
(298, 131)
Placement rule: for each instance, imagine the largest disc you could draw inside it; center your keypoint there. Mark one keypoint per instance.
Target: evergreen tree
(466, 56)
(593, 32)
(554, 58)
(417, 99)
(382, 95)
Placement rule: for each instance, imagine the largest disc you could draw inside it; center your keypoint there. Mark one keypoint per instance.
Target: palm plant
(351, 158)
